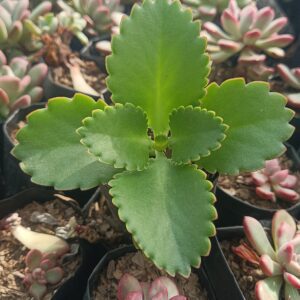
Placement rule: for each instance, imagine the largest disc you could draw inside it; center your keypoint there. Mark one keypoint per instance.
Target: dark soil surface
(91, 73)
(12, 253)
(139, 266)
(246, 273)
(14, 131)
(104, 226)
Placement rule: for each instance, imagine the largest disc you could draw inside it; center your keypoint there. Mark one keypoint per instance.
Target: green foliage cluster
(165, 126)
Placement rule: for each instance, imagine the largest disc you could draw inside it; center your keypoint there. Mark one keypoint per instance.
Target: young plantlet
(97, 13)
(250, 33)
(40, 271)
(164, 127)
(292, 78)
(45, 243)
(162, 288)
(20, 84)
(206, 10)
(272, 182)
(14, 16)
(279, 262)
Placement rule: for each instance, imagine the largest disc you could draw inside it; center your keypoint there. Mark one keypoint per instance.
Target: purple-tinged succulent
(97, 13)
(292, 78)
(14, 16)
(45, 243)
(162, 288)
(280, 262)
(20, 83)
(41, 270)
(206, 10)
(250, 33)
(272, 182)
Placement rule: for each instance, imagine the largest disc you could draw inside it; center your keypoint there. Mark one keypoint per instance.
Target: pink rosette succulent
(272, 182)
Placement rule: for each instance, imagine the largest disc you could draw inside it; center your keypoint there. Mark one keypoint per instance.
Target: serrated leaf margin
(216, 146)
(132, 231)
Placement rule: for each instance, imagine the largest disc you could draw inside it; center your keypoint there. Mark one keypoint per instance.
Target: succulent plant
(162, 288)
(41, 270)
(273, 182)
(14, 16)
(20, 83)
(57, 33)
(248, 33)
(63, 23)
(97, 13)
(292, 78)
(165, 126)
(208, 9)
(280, 261)
(258, 71)
(45, 243)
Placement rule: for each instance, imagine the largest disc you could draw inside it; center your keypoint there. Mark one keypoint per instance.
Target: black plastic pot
(74, 287)
(89, 52)
(1, 160)
(53, 89)
(15, 179)
(295, 138)
(93, 279)
(128, 8)
(292, 9)
(231, 210)
(76, 45)
(217, 269)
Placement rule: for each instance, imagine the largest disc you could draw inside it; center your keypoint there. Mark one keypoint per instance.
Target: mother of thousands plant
(164, 127)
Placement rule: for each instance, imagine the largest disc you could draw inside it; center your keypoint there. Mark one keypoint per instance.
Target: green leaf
(118, 136)
(258, 124)
(194, 133)
(50, 148)
(269, 288)
(290, 292)
(158, 61)
(169, 211)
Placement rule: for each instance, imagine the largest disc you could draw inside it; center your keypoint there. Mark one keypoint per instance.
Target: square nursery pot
(53, 89)
(231, 209)
(295, 138)
(1, 160)
(74, 287)
(218, 271)
(15, 180)
(119, 252)
(90, 52)
(292, 9)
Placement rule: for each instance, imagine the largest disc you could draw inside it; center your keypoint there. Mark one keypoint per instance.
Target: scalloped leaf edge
(218, 143)
(48, 107)
(289, 111)
(115, 163)
(213, 199)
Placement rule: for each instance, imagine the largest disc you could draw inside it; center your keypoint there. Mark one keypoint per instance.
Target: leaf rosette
(150, 144)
